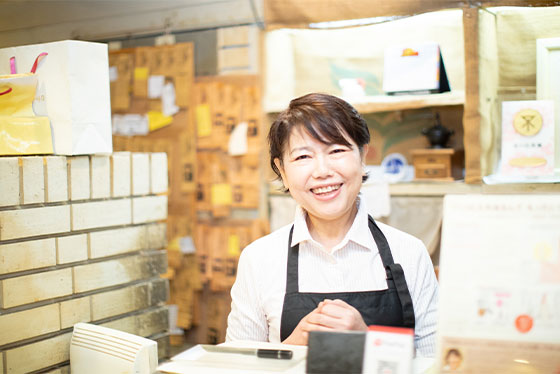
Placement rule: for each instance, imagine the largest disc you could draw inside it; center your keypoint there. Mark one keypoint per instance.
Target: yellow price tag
(234, 248)
(203, 120)
(220, 194)
(141, 74)
(157, 120)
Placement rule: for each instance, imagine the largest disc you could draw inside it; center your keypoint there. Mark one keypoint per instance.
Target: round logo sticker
(524, 323)
(527, 122)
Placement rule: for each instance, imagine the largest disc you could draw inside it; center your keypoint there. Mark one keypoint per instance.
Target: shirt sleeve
(247, 320)
(424, 294)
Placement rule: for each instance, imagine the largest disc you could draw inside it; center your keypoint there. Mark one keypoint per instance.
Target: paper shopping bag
(17, 92)
(20, 131)
(72, 91)
(25, 136)
(414, 69)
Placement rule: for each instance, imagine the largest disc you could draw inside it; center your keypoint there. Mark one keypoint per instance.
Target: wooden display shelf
(437, 188)
(386, 103)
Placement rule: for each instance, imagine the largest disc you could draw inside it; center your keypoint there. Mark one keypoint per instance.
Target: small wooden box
(434, 164)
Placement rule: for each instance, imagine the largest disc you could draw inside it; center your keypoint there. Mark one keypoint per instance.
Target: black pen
(275, 353)
(280, 354)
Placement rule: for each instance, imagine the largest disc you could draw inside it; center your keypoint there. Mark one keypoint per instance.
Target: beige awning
(300, 13)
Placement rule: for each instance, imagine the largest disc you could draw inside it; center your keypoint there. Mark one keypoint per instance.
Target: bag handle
(41, 55)
(6, 92)
(13, 69)
(13, 65)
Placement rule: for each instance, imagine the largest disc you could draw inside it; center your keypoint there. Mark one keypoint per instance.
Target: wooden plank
(471, 115)
(489, 105)
(384, 103)
(426, 188)
(522, 188)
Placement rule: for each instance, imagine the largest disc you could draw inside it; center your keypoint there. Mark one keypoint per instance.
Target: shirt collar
(359, 232)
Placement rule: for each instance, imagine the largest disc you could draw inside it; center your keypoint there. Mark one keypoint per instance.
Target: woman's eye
(301, 157)
(338, 150)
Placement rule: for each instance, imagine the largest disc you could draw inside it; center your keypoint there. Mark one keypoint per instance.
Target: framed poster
(500, 284)
(548, 84)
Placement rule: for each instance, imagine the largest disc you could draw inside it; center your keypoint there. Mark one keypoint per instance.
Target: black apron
(390, 307)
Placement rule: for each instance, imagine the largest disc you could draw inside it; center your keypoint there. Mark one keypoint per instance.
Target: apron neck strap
(382, 246)
(292, 275)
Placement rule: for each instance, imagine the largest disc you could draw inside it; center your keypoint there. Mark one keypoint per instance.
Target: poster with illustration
(527, 138)
(500, 284)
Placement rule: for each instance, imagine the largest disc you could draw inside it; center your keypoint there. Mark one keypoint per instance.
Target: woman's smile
(326, 190)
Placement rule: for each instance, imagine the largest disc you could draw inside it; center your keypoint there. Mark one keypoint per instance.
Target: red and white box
(388, 350)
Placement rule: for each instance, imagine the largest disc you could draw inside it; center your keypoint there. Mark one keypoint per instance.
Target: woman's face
(324, 179)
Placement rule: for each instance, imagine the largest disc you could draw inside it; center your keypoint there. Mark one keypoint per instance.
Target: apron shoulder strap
(292, 274)
(382, 244)
(404, 295)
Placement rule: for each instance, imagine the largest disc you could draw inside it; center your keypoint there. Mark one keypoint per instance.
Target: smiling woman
(334, 268)
(319, 163)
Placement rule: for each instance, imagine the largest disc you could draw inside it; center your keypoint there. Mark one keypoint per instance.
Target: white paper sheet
(168, 107)
(113, 73)
(130, 124)
(237, 145)
(155, 86)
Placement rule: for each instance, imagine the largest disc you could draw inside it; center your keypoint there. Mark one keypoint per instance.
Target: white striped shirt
(353, 265)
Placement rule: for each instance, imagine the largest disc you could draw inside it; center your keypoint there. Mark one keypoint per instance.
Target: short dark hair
(325, 117)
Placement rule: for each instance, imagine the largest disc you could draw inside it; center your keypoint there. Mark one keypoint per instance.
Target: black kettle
(438, 135)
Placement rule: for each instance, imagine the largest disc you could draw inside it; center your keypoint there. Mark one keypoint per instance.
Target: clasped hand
(330, 315)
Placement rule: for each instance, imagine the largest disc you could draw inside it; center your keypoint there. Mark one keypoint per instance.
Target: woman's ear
(280, 168)
(365, 150)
